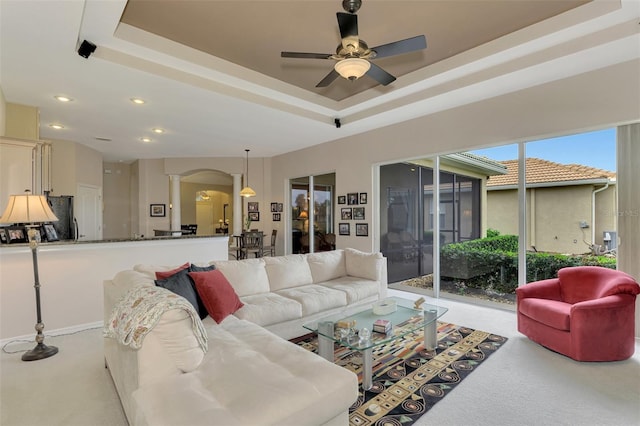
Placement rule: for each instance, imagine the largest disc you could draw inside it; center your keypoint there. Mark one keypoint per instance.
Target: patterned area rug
(407, 379)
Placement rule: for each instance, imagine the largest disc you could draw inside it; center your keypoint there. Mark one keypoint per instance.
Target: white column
(175, 202)
(237, 203)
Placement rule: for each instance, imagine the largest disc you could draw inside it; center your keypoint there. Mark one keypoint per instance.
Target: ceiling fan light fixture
(352, 68)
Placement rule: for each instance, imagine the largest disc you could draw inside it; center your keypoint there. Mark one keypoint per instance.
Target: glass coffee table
(345, 328)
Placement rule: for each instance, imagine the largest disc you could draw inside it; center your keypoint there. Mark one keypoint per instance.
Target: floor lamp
(32, 210)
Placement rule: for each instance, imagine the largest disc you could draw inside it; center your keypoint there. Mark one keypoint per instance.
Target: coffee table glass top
(406, 319)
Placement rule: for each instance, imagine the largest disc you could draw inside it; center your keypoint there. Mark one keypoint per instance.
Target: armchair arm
(544, 289)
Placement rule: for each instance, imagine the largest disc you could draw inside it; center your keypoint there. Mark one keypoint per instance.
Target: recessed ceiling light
(145, 139)
(157, 130)
(137, 101)
(56, 126)
(63, 98)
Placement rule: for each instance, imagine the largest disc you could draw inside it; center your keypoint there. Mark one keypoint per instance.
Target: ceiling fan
(353, 55)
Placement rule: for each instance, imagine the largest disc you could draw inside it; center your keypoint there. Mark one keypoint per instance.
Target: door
(89, 213)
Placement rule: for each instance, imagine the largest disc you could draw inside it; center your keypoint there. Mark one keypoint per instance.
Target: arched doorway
(206, 200)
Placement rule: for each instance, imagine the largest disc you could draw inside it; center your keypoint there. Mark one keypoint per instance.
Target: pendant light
(247, 191)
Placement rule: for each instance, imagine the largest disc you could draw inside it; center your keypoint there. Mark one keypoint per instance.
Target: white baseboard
(52, 333)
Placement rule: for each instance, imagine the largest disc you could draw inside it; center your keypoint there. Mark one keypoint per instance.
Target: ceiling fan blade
(328, 79)
(402, 46)
(348, 24)
(303, 55)
(380, 75)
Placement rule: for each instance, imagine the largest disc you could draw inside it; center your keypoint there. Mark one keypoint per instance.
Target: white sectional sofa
(250, 374)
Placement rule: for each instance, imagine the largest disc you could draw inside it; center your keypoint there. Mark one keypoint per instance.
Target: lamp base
(41, 351)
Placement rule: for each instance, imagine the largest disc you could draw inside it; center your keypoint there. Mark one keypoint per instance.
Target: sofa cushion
(287, 271)
(217, 294)
(357, 289)
(552, 313)
(161, 275)
(182, 285)
(174, 332)
(315, 298)
(327, 265)
(150, 270)
(363, 265)
(269, 308)
(250, 377)
(247, 276)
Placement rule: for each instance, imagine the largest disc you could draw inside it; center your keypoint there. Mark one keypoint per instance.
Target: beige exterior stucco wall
(554, 215)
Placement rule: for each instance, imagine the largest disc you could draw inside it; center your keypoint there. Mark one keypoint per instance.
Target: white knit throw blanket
(139, 311)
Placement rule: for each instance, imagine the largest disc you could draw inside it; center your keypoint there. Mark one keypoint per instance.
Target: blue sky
(595, 149)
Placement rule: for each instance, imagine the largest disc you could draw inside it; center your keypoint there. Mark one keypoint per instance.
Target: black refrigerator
(66, 226)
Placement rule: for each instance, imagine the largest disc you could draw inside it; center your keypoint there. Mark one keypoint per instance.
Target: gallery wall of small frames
(356, 212)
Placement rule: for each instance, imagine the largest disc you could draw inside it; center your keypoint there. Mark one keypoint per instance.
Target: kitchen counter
(71, 274)
(113, 240)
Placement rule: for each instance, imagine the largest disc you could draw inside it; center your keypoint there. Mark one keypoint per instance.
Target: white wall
(71, 277)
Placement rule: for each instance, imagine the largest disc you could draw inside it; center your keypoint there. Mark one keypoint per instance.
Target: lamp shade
(247, 192)
(27, 208)
(303, 215)
(352, 68)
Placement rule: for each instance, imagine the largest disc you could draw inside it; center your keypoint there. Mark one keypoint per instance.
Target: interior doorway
(88, 210)
(206, 202)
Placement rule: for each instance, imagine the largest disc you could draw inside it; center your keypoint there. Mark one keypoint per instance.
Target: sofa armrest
(544, 289)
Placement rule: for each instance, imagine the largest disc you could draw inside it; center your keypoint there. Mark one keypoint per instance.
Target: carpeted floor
(522, 384)
(409, 380)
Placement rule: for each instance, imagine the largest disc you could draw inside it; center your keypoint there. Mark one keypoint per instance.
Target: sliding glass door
(312, 220)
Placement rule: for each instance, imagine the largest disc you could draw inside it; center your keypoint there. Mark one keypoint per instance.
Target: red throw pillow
(161, 275)
(216, 293)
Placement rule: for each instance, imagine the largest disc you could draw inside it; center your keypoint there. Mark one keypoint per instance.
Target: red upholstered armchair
(587, 313)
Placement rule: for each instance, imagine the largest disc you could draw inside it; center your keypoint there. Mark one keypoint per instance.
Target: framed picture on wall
(50, 232)
(344, 229)
(363, 198)
(157, 210)
(345, 213)
(254, 216)
(274, 207)
(358, 213)
(280, 207)
(342, 199)
(352, 199)
(252, 206)
(276, 217)
(362, 229)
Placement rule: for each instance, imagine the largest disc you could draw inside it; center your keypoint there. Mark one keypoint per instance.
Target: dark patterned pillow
(181, 284)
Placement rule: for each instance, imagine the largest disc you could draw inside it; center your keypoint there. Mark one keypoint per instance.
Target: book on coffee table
(382, 326)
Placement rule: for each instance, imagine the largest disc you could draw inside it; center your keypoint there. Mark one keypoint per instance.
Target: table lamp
(32, 210)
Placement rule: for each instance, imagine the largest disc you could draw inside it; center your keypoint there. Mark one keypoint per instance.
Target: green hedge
(493, 263)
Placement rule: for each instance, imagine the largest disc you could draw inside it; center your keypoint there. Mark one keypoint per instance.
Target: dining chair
(270, 250)
(251, 244)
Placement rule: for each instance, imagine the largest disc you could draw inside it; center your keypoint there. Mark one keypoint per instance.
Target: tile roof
(543, 171)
